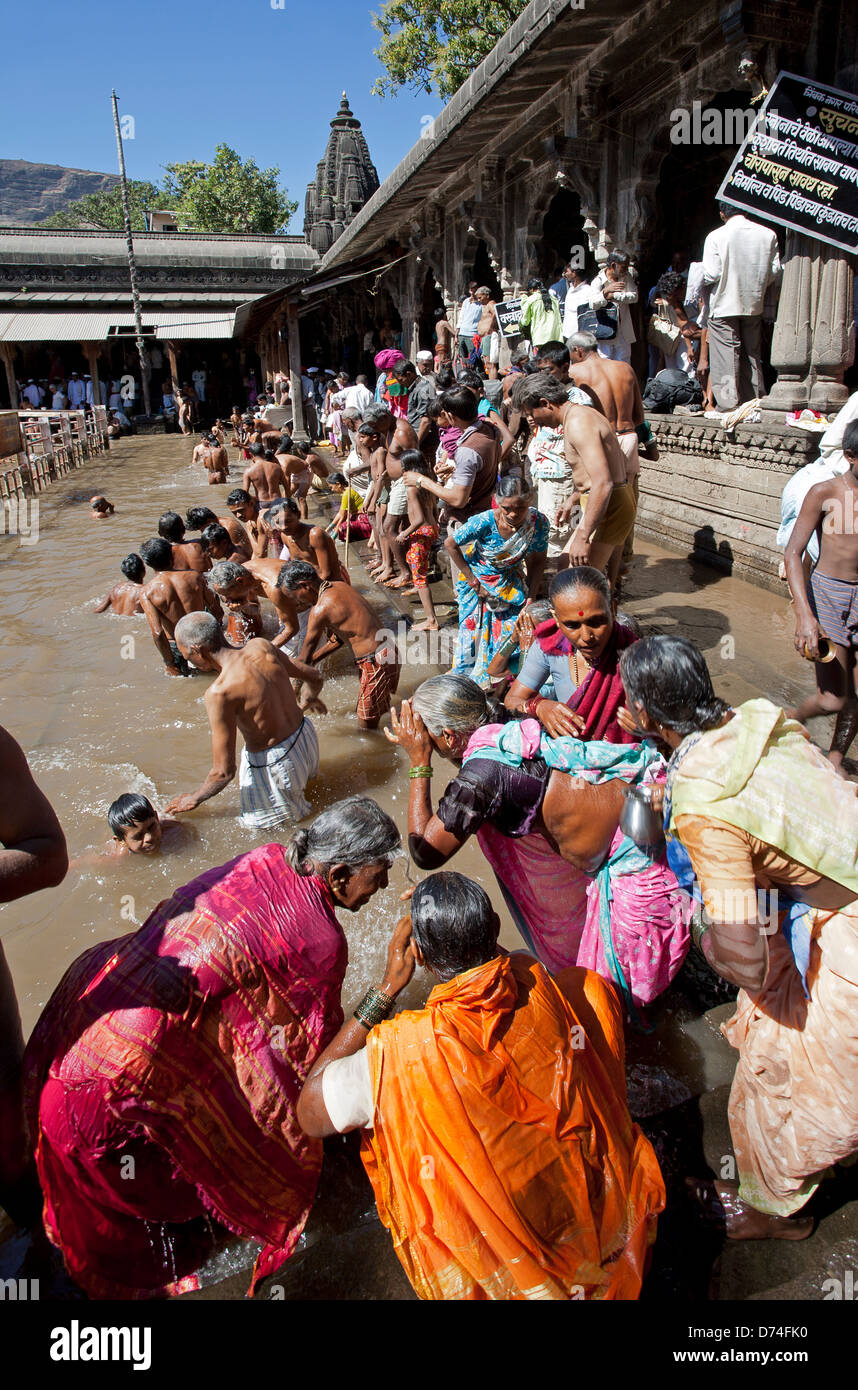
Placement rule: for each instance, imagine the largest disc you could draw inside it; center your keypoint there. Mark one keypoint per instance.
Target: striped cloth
(272, 781)
(835, 607)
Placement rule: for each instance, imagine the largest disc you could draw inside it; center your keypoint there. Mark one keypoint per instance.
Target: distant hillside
(31, 192)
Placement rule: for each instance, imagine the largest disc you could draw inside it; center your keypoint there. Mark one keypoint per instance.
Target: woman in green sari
(759, 822)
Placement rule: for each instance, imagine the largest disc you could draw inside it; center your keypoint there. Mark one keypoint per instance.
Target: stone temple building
(345, 179)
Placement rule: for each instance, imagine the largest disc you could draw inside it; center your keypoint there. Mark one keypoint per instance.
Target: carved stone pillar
(299, 428)
(791, 342)
(833, 327)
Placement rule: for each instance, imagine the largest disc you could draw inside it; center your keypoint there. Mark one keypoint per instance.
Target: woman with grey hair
(184, 1046)
(545, 812)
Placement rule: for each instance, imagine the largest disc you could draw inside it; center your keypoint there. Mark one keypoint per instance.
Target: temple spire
(345, 180)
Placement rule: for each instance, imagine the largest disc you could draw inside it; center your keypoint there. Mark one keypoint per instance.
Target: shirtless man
(293, 626)
(599, 470)
(487, 327)
(617, 388)
(217, 544)
(264, 475)
(555, 359)
(198, 518)
(252, 695)
(124, 598)
(312, 544)
(826, 604)
(235, 588)
(216, 461)
(299, 462)
(340, 611)
(187, 555)
(33, 855)
(168, 597)
(444, 335)
(246, 510)
(101, 508)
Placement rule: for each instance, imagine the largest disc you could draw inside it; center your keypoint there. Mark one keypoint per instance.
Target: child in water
(101, 508)
(138, 829)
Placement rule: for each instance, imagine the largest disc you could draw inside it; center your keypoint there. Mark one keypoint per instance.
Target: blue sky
(193, 75)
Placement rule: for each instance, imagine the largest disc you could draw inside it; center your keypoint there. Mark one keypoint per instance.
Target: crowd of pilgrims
(628, 814)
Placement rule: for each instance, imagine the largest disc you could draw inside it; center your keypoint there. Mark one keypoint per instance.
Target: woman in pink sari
(162, 1078)
(545, 812)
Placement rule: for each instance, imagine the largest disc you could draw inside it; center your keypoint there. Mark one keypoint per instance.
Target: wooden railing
(39, 446)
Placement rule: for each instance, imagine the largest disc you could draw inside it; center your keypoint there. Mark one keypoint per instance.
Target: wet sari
(503, 1158)
(630, 920)
(498, 562)
(755, 806)
(162, 1079)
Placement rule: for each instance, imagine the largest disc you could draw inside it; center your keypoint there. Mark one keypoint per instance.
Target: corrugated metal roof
(96, 328)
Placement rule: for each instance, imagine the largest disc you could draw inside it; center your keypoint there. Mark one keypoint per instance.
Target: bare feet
(721, 1203)
(399, 583)
(428, 626)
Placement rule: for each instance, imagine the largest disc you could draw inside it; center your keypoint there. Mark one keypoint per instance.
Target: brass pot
(826, 651)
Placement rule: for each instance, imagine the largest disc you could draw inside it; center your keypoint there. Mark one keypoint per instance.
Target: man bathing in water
(217, 545)
(215, 460)
(299, 462)
(170, 596)
(198, 518)
(246, 511)
(101, 508)
(124, 598)
(340, 611)
(263, 475)
(187, 555)
(826, 604)
(253, 696)
(312, 544)
(234, 588)
(293, 626)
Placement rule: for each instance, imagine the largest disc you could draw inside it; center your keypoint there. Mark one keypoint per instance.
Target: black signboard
(508, 314)
(798, 165)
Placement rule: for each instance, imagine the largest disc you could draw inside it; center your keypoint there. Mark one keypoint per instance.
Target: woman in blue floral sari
(500, 556)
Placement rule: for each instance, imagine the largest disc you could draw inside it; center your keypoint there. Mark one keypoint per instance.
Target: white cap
(424, 355)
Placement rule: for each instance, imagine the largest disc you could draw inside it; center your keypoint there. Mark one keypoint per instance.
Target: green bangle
(424, 771)
(373, 1008)
(699, 928)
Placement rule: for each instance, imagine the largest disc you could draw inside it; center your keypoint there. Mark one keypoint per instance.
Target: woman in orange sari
(496, 1133)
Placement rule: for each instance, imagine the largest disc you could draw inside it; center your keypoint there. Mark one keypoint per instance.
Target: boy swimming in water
(137, 827)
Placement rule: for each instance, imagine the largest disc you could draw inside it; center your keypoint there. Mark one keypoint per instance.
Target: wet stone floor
(95, 723)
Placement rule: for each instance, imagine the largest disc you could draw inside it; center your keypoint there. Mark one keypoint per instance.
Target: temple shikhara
(345, 180)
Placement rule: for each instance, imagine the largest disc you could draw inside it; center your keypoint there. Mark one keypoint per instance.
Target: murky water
(97, 717)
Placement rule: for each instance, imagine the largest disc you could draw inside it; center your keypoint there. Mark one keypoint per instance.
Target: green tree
(104, 209)
(228, 195)
(434, 45)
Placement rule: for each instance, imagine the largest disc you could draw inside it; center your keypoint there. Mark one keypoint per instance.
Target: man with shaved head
(252, 695)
